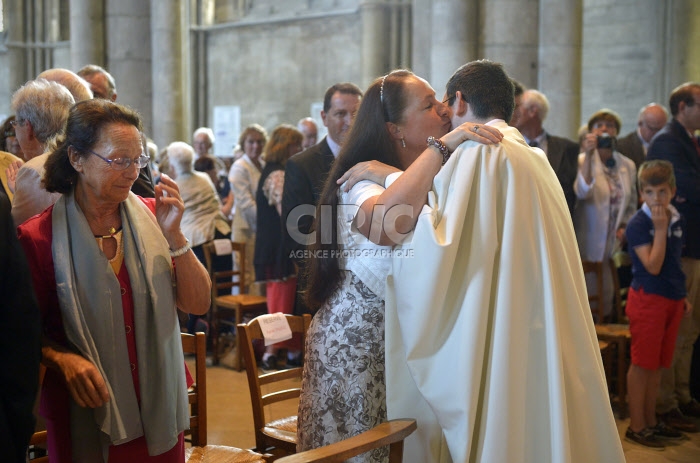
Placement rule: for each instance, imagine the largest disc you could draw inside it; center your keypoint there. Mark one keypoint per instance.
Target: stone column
(128, 54)
(510, 29)
(169, 48)
(87, 33)
(559, 70)
(15, 27)
(376, 40)
(454, 26)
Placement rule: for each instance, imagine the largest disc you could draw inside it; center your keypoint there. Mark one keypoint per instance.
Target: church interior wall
(274, 72)
(273, 59)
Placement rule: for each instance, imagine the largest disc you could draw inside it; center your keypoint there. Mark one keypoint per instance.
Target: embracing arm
(395, 212)
(192, 280)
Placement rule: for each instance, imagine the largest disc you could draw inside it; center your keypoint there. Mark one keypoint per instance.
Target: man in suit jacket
(306, 172)
(676, 144)
(562, 153)
(652, 118)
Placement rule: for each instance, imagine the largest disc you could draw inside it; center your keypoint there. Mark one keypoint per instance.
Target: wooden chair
(229, 306)
(199, 452)
(281, 433)
(391, 433)
(197, 397)
(617, 336)
(617, 261)
(597, 269)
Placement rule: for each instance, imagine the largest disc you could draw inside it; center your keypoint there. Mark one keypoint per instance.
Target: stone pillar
(510, 30)
(128, 54)
(559, 70)
(202, 16)
(169, 48)
(376, 40)
(87, 33)
(454, 26)
(17, 55)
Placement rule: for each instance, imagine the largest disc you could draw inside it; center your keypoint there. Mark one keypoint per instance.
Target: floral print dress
(344, 370)
(343, 391)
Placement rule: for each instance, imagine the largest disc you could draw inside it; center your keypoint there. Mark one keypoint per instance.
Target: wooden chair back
(224, 281)
(197, 394)
(616, 262)
(200, 451)
(391, 433)
(228, 309)
(280, 433)
(596, 268)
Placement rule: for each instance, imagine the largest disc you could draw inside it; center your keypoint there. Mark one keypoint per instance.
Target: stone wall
(275, 71)
(274, 58)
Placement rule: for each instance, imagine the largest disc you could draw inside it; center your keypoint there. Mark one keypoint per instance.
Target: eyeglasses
(17, 122)
(449, 101)
(124, 163)
(10, 133)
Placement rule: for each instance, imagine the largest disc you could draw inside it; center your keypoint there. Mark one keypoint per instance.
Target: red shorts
(654, 322)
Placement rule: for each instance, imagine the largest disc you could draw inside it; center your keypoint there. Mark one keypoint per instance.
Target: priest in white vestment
(490, 342)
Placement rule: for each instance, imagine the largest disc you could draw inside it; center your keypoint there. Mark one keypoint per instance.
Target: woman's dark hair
(204, 164)
(86, 120)
(368, 139)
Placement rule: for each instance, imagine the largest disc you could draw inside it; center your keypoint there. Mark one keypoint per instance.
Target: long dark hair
(368, 139)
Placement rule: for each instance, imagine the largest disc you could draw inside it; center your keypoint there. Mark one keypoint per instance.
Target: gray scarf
(89, 295)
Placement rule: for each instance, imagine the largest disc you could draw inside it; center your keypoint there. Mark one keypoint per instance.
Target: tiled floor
(231, 421)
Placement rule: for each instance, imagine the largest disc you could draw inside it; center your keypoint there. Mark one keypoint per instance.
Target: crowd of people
(422, 229)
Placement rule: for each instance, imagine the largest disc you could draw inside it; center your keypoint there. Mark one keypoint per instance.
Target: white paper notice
(275, 328)
(223, 247)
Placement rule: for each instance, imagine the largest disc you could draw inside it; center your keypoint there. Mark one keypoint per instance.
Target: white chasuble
(490, 340)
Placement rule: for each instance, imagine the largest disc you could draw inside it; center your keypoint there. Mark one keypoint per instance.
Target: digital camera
(605, 141)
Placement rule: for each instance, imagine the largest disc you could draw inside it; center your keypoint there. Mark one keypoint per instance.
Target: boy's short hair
(655, 173)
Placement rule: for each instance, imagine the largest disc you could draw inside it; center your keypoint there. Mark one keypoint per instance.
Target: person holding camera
(606, 192)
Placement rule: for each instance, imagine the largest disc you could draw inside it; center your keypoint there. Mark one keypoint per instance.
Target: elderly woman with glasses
(109, 269)
(606, 189)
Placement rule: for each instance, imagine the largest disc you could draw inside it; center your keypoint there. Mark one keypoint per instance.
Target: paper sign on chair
(275, 328)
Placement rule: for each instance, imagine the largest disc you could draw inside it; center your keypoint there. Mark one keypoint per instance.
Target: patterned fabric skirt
(343, 390)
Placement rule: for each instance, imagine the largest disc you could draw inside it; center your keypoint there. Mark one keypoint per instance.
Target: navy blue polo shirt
(670, 282)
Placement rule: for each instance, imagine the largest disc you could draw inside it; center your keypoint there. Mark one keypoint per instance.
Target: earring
(403, 143)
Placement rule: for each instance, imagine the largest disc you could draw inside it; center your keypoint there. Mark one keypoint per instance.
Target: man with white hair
(76, 85)
(562, 153)
(308, 128)
(42, 110)
(652, 118)
(203, 144)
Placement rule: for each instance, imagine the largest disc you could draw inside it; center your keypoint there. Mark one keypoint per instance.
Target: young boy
(656, 300)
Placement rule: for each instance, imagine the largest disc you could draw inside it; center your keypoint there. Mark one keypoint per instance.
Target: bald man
(308, 128)
(652, 118)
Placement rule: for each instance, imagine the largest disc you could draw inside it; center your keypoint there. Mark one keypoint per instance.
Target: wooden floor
(231, 421)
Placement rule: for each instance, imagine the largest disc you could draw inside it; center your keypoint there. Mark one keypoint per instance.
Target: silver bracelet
(437, 143)
(182, 251)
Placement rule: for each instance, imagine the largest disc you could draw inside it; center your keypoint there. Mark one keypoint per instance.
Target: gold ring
(475, 128)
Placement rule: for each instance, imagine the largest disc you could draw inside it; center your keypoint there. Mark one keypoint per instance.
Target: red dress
(36, 237)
